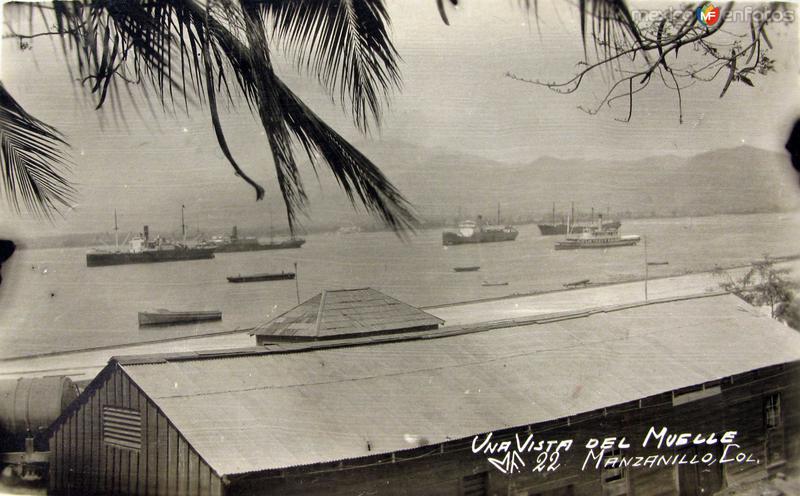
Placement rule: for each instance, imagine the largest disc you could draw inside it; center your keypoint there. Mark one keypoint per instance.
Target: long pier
(83, 365)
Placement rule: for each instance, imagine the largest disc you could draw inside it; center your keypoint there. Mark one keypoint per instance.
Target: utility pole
(116, 232)
(296, 283)
(646, 270)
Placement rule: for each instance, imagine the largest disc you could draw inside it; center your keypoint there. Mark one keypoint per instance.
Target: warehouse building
(402, 414)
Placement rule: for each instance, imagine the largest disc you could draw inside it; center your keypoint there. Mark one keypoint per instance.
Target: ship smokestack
(146, 233)
(234, 233)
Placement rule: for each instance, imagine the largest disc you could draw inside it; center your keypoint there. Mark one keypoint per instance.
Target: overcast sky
(454, 98)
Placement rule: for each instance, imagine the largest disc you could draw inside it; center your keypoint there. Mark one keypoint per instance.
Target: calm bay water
(50, 300)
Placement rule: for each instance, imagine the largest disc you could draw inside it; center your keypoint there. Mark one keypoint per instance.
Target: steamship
(562, 228)
(597, 236)
(144, 250)
(236, 243)
(479, 232)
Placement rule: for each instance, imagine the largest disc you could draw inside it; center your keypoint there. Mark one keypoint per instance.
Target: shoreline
(22, 244)
(779, 259)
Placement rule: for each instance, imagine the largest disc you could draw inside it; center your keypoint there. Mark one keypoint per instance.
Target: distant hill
(440, 184)
(738, 180)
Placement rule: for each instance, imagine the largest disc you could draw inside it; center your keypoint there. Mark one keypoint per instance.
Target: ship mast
(554, 213)
(498, 214)
(571, 217)
(183, 224)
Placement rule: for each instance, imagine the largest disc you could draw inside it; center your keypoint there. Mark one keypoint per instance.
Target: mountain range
(444, 186)
(737, 180)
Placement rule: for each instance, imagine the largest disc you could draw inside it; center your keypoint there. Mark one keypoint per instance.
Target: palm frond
(283, 116)
(197, 50)
(612, 24)
(609, 22)
(361, 180)
(346, 45)
(132, 41)
(33, 161)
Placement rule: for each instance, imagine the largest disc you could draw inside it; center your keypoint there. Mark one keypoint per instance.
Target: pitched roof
(332, 314)
(262, 411)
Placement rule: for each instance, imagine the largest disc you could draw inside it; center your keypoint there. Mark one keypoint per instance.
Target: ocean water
(50, 301)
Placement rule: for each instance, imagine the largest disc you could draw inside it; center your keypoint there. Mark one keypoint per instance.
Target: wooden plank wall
(164, 465)
(739, 407)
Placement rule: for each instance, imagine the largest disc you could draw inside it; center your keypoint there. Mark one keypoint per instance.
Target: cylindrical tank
(30, 405)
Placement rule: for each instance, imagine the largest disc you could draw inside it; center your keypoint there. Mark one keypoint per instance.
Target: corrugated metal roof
(269, 411)
(346, 312)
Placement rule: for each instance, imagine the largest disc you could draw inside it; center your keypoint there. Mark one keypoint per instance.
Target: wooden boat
(467, 269)
(278, 276)
(657, 263)
(577, 284)
(168, 317)
(487, 283)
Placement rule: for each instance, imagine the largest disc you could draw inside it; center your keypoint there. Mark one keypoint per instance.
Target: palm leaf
(345, 44)
(611, 22)
(361, 179)
(33, 161)
(196, 50)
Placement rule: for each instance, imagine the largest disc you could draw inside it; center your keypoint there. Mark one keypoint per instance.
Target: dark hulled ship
(235, 243)
(562, 228)
(144, 250)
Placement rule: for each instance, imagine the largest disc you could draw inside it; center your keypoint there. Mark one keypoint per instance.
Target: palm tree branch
(346, 45)
(156, 44)
(360, 179)
(32, 160)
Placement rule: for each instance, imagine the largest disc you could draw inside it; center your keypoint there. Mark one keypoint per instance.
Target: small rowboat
(279, 276)
(657, 263)
(487, 283)
(467, 269)
(577, 284)
(168, 317)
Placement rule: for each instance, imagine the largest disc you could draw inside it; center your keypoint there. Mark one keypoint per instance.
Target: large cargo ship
(562, 228)
(235, 243)
(144, 250)
(478, 232)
